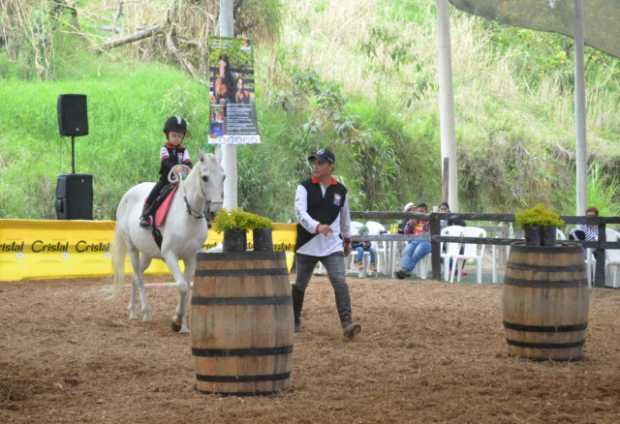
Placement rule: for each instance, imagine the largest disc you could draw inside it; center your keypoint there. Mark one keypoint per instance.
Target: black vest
(323, 209)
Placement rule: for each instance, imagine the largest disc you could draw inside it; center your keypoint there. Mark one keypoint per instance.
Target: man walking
(323, 234)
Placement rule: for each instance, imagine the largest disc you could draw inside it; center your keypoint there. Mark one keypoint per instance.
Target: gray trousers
(334, 264)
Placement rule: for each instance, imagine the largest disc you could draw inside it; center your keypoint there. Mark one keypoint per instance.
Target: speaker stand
(73, 154)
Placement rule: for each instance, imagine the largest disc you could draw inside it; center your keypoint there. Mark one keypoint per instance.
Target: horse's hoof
(175, 327)
(184, 330)
(146, 316)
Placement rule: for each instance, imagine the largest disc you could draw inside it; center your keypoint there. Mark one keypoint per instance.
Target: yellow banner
(51, 249)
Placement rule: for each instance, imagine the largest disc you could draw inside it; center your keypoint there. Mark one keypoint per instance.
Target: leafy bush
(538, 215)
(237, 219)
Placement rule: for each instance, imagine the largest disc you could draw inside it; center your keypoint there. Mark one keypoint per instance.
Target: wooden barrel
(242, 323)
(546, 301)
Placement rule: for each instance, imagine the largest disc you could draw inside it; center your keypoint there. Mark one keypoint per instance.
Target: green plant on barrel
(539, 224)
(235, 223)
(238, 219)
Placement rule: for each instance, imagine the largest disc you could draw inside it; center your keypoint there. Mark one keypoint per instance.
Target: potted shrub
(235, 224)
(539, 225)
(262, 229)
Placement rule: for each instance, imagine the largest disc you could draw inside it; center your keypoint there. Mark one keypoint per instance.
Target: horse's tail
(119, 251)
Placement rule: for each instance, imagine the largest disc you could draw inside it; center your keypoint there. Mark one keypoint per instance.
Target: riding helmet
(176, 124)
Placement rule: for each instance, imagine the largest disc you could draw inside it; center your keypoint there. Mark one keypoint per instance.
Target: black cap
(176, 124)
(325, 155)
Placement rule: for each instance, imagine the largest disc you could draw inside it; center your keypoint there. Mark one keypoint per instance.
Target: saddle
(164, 200)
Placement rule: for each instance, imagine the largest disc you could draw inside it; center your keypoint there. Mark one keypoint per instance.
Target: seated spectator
(418, 248)
(586, 232)
(359, 247)
(445, 208)
(409, 207)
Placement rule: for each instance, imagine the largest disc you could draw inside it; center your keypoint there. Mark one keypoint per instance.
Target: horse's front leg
(173, 264)
(180, 318)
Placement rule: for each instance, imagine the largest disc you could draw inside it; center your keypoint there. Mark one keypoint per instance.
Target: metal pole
(446, 103)
(229, 151)
(580, 113)
(73, 154)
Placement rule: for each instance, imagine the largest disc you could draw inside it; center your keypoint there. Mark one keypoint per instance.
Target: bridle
(193, 212)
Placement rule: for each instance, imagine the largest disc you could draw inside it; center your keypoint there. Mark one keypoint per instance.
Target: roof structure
(601, 18)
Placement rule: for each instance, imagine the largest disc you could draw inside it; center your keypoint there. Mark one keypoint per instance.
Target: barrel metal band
(242, 378)
(259, 272)
(533, 345)
(545, 328)
(258, 392)
(258, 300)
(545, 284)
(544, 268)
(257, 351)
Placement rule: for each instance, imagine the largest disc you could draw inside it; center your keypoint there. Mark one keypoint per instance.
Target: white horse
(183, 234)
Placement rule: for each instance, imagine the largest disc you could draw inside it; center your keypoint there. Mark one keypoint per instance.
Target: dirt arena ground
(429, 353)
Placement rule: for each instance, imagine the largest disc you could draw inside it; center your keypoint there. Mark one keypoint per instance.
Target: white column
(229, 152)
(581, 157)
(446, 102)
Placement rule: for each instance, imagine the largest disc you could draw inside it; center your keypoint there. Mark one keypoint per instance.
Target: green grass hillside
(126, 115)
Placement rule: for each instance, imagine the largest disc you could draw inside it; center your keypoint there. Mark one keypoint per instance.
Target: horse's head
(211, 183)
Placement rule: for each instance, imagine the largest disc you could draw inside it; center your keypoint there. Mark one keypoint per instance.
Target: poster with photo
(232, 104)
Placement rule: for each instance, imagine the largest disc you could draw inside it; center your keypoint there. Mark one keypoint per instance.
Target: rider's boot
(146, 220)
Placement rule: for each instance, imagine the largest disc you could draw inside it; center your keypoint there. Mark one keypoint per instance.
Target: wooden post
(599, 275)
(435, 247)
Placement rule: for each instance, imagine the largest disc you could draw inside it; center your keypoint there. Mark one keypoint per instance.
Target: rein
(193, 213)
(190, 211)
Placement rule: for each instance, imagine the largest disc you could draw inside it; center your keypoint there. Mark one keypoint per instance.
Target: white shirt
(322, 245)
(183, 157)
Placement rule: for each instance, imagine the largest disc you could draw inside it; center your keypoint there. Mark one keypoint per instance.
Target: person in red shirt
(417, 248)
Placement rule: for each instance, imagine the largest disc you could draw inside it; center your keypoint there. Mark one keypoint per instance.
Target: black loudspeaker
(72, 114)
(74, 196)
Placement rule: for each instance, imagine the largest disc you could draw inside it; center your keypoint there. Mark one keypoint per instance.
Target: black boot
(146, 220)
(298, 302)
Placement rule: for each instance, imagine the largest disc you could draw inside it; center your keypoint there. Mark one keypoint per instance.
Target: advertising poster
(232, 105)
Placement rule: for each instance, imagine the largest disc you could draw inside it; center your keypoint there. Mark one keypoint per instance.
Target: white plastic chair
(612, 257)
(375, 229)
(356, 227)
(423, 266)
(471, 251)
(590, 261)
(449, 250)
(559, 235)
